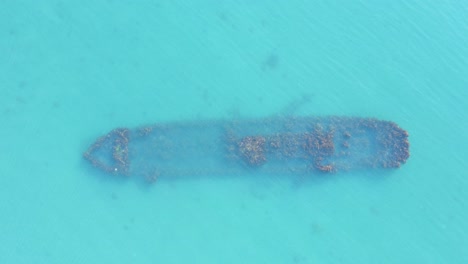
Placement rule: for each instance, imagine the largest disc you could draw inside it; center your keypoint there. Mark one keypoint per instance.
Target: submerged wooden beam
(280, 145)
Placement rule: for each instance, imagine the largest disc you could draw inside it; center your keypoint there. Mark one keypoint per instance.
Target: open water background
(70, 71)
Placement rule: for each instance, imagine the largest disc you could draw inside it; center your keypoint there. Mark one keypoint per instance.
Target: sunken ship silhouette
(277, 145)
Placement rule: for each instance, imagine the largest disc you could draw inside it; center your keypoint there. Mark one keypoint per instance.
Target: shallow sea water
(72, 71)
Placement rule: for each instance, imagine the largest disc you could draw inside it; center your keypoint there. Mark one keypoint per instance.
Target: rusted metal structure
(279, 145)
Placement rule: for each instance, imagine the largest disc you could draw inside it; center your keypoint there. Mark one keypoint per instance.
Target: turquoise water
(71, 71)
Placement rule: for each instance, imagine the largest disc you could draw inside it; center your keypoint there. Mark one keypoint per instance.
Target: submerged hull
(280, 145)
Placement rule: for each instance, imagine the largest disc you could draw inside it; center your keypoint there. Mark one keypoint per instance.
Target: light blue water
(71, 71)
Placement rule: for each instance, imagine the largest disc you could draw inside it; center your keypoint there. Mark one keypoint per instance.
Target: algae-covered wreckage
(277, 145)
